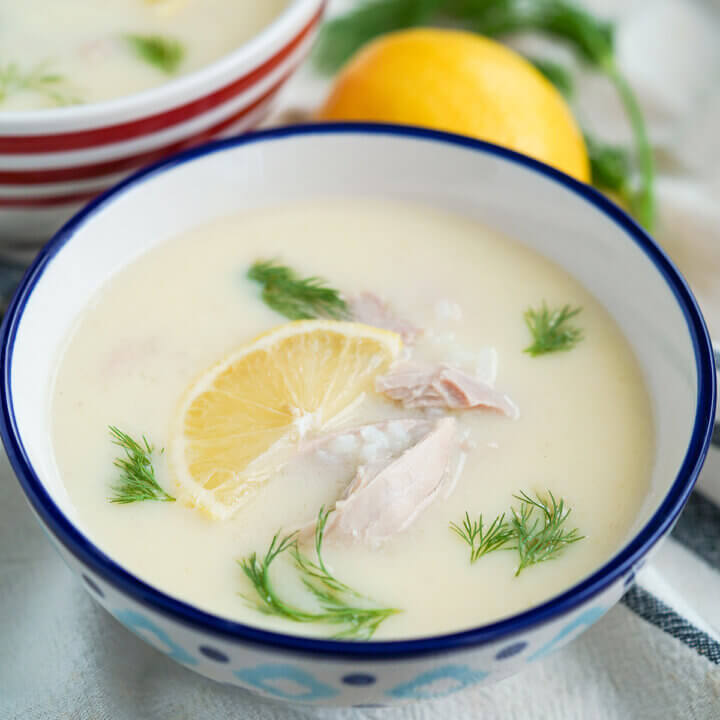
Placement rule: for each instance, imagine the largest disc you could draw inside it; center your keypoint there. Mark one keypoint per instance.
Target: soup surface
(583, 433)
(56, 53)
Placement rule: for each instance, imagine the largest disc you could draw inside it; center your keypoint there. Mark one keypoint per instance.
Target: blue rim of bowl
(619, 566)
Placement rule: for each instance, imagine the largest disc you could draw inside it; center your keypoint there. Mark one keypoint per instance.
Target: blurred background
(668, 51)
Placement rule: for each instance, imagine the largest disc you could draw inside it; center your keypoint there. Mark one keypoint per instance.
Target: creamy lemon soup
(56, 53)
(457, 425)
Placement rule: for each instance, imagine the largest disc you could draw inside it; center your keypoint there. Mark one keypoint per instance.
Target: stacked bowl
(53, 161)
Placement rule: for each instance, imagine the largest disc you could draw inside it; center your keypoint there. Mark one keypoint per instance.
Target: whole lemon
(463, 83)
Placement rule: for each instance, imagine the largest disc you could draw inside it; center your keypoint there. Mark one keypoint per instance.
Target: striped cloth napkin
(656, 655)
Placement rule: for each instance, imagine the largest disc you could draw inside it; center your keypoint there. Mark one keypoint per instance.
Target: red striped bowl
(53, 161)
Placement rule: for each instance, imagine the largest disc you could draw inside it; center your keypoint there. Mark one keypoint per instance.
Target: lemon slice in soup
(242, 418)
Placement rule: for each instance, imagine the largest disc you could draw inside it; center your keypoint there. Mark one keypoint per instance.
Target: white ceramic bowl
(53, 161)
(559, 217)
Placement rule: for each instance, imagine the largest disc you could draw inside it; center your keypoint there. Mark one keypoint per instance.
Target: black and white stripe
(698, 530)
(654, 611)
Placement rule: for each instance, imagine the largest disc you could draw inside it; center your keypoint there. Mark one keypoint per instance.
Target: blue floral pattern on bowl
(438, 683)
(287, 682)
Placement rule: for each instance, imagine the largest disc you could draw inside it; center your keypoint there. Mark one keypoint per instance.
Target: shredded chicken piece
(371, 310)
(384, 498)
(441, 386)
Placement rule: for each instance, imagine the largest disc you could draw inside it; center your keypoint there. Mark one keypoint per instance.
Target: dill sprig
(258, 572)
(591, 38)
(483, 541)
(337, 603)
(295, 297)
(536, 529)
(539, 529)
(137, 475)
(318, 570)
(49, 85)
(164, 53)
(551, 330)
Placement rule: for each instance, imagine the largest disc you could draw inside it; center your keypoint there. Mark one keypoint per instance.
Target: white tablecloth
(656, 655)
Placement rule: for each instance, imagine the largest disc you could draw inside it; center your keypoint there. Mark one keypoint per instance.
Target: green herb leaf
(164, 53)
(342, 36)
(318, 570)
(641, 200)
(591, 38)
(612, 170)
(295, 297)
(483, 541)
(551, 330)
(557, 74)
(51, 86)
(539, 529)
(336, 603)
(137, 475)
(611, 165)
